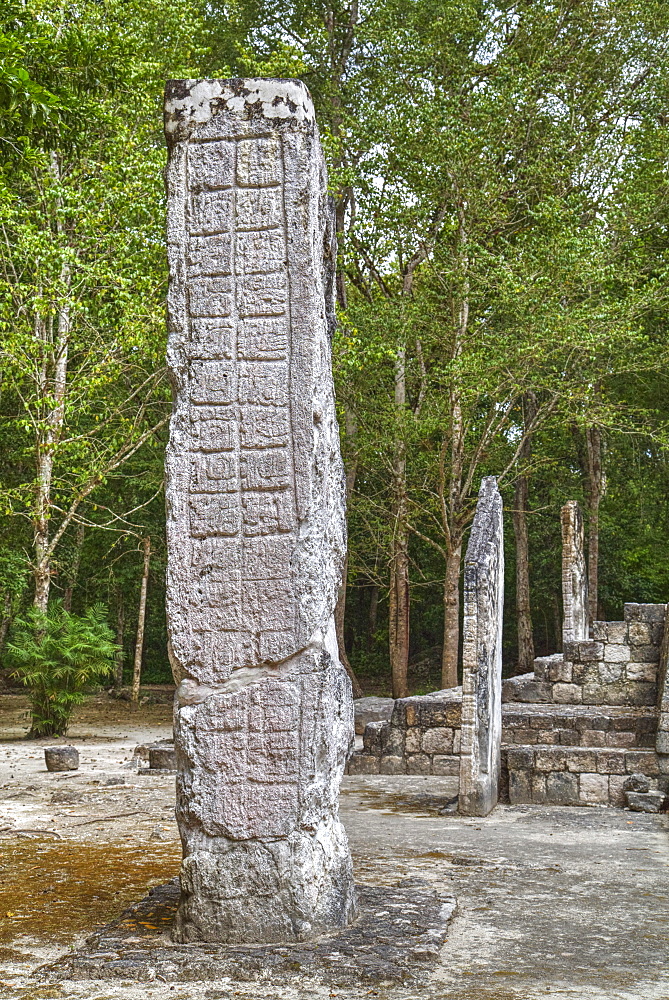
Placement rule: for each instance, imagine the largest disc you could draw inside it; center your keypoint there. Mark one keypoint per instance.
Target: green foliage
(511, 158)
(57, 656)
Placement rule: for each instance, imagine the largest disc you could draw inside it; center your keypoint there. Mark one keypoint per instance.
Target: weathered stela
(481, 736)
(256, 528)
(574, 575)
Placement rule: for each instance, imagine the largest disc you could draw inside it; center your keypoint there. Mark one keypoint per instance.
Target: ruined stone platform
(395, 939)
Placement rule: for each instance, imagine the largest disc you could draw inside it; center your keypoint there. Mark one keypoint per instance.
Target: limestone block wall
(572, 731)
(579, 725)
(579, 775)
(422, 737)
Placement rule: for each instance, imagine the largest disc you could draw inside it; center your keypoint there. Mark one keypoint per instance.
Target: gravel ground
(552, 902)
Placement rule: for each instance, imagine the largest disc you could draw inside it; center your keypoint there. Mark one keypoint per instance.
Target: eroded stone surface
(662, 743)
(574, 575)
(255, 504)
(482, 656)
(651, 802)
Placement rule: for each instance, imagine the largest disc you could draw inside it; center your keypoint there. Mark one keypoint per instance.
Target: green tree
(57, 656)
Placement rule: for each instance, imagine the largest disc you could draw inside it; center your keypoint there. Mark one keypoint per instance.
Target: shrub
(57, 655)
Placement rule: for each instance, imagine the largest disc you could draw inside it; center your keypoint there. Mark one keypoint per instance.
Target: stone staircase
(576, 728)
(610, 726)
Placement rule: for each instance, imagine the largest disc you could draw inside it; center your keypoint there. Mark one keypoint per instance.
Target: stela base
(396, 939)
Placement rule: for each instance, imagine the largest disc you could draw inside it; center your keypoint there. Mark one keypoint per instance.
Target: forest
(500, 178)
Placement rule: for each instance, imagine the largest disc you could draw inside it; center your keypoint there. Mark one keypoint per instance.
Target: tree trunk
(120, 631)
(399, 614)
(139, 642)
(6, 619)
(451, 646)
(399, 563)
(523, 607)
(340, 607)
(74, 571)
(42, 577)
(596, 488)
(339, 617)
(450, 497)
(373, 614)
(53, 383)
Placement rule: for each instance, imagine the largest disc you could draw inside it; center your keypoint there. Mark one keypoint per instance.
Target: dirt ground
(552, 902)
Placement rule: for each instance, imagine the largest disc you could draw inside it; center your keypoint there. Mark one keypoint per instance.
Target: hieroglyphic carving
(256, 530)
(574, 575)
(481, 736)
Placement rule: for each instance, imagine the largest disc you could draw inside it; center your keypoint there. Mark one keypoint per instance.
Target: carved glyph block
(256, 531)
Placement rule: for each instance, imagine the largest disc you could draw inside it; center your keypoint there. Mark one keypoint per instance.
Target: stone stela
(256, 527)
(574, 575)
(481, 736)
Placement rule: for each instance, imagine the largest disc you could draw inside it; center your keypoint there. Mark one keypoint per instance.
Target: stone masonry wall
(618, 666)
(572, 731)
(422, 737)
(579, 725)
(579, 775)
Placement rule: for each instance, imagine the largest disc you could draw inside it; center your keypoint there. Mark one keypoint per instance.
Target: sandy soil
(569, 903)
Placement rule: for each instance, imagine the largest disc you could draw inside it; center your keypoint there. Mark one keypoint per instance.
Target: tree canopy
(499, 173)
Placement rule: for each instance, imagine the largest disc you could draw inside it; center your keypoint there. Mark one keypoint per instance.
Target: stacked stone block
(549, 775)
(572, 732)
(422, 737)
(617, 666)
(578, 725)
(598, 723)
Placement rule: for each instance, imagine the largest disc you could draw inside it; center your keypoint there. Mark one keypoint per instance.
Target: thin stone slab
(574, 575)
(396, 939)
(481, 736)
(662, 741)
(256, 531)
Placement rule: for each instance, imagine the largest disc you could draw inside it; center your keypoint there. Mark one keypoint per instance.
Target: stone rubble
(397, 939)
(61, 758)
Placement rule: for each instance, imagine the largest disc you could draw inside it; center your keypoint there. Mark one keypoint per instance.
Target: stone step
(569, 775)
(578, 725)
(526, 688)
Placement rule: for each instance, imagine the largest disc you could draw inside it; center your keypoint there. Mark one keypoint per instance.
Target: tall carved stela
(256, 529)
(481, 736)
(574, 574)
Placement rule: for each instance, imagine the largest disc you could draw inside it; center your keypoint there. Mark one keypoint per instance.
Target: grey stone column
(574, 575)
(662, 736)
(481, 737)
(255, 517)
